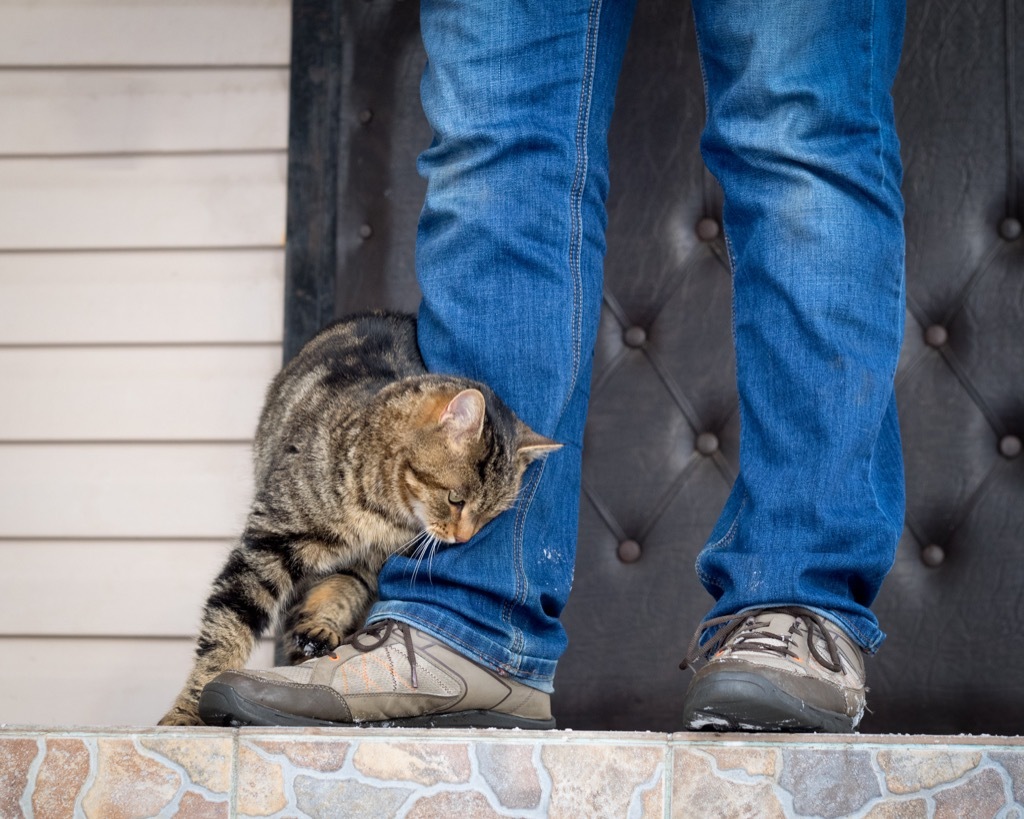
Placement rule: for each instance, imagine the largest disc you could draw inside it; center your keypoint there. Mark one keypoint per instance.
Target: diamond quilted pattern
(644, 465)
(947, 438)
(976, 587)
(954, 158)
(692, 340)
(985, 334)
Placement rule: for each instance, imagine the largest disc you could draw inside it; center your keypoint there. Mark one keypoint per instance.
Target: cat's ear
(463, 418)
(533, 445)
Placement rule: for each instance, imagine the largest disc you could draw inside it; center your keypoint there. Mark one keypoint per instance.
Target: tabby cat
(359, 454)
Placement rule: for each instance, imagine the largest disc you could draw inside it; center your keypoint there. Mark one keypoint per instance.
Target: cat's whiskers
(426, 549)
(422, 541)
(411, 545)
(434, 543)
(405, 546)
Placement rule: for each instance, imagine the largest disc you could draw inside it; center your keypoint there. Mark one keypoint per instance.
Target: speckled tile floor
(211, 772)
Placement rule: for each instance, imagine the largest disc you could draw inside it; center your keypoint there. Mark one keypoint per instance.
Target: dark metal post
(311, 250)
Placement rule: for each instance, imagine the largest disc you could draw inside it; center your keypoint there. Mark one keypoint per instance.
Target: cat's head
(466, 463)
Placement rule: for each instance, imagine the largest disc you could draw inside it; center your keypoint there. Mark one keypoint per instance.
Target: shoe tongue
(764, 630)
(766, 622)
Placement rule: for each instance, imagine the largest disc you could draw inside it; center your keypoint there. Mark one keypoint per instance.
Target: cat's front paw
(311, 641)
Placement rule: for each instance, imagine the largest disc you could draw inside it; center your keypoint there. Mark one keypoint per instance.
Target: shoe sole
(741, 701)
(221, 705)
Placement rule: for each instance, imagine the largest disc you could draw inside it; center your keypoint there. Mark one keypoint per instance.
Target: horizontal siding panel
(106, 588)
(155, 393)
(83, 111)
(96, 681)
(142, 297)
(143, 201)
(157, 32)
(121, 490)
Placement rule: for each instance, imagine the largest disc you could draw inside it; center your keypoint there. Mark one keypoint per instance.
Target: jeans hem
(532, 671)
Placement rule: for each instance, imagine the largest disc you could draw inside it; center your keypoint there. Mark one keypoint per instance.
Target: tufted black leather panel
(662, 436)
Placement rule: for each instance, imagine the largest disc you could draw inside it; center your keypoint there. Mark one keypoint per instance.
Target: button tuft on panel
(629, 551)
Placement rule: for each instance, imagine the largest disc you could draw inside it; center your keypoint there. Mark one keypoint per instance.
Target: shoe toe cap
(279, 694)
(815, 690)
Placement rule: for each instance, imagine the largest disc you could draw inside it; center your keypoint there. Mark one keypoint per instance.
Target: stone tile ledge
(258, 772)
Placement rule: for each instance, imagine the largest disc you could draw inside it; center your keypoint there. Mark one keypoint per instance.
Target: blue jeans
(511, 241)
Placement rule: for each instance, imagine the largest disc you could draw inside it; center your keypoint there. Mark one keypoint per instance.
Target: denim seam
(576, 192)
(731, 533)
(724, 540)
(518, 538)
(871, 92)
(579, 184)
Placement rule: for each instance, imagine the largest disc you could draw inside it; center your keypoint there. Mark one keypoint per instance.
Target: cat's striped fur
(359, 454)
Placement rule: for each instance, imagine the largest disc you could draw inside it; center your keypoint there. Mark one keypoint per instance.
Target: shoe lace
(379, 633)
(751, 635)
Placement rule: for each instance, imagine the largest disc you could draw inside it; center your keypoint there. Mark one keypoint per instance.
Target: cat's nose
(464, 528)
(464, 531)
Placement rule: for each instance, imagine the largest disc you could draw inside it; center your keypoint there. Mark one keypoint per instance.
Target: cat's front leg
(326, 613)
(246, 597)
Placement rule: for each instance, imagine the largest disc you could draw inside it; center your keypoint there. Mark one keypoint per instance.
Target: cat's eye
(455, 498)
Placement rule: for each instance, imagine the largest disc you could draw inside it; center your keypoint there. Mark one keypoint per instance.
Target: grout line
(670, 777)
(547, 784)
(92, 746)
(233, 796)
(32, 774)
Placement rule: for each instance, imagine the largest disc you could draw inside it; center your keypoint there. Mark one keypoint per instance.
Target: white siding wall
(142, 217)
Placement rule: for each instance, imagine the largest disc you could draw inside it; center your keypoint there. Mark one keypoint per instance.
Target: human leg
(800, 134)
(509, 258)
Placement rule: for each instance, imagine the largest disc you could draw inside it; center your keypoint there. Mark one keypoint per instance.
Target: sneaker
(781, 669)
(388, 674)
